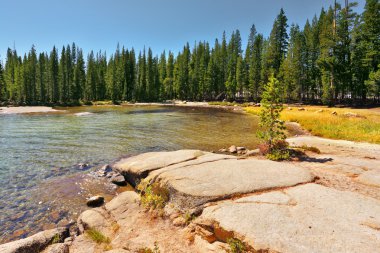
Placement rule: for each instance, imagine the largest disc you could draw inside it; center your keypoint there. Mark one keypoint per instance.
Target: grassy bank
(348, 124)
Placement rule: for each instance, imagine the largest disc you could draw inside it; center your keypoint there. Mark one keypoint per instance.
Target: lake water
(41, 184)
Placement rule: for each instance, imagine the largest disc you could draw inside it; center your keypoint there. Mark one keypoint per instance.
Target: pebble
(95, 201)
(232, 149)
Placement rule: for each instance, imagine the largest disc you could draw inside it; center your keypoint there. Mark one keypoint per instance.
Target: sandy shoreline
(27, 109)
(47, 109)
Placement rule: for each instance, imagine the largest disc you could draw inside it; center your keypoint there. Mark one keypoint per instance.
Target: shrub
(97, 236)
(188, 217)
(56, 239)
(273, 133)
(153, 196)
(278, 155)
(236, 246)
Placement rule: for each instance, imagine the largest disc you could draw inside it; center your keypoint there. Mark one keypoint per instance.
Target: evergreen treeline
(334, 58)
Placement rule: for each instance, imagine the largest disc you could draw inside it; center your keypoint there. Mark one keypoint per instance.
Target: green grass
(56, 239)
(363, 128)
(188, 217)
(236, 246)
(97, 236)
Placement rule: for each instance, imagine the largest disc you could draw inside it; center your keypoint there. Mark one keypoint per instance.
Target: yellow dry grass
(361, 125)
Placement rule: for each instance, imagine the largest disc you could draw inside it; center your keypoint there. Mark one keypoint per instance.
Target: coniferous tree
(79, 77)
(291, 70)
(42, 77)
(90, 87)
(31, 91)
(3, 89)
(370, 44)
(150, 85)
(54, 76)
(278, 42)
(141, 77)
(274, 129)
(101, 72)
(63, 89)
(162, 74)
(10, 74)
(255, 67)
(168, 82)
(223, 65)
(327, 60)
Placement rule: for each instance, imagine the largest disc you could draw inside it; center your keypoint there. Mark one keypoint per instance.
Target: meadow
(361, 125)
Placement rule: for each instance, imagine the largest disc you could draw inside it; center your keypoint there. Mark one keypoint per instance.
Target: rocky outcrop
(197, 177)
(194, 185)
(321, 203)
(306, 218)
(36, 243)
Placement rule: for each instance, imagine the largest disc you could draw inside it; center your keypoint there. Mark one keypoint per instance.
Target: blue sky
(160, 24)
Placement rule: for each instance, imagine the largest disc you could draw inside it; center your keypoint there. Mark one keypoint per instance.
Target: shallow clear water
(40, 182)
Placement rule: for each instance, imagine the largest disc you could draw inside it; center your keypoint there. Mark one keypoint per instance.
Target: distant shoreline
(27, 109)
(46, 109)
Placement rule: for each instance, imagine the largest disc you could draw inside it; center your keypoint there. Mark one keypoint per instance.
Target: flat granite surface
(194, 185)
(305, 218)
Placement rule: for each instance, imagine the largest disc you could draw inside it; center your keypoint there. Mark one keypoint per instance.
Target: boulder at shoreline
(37, 242)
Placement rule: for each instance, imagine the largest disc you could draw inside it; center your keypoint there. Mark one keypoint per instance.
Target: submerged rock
(83, 165)
(95, 201)
(80, 114)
